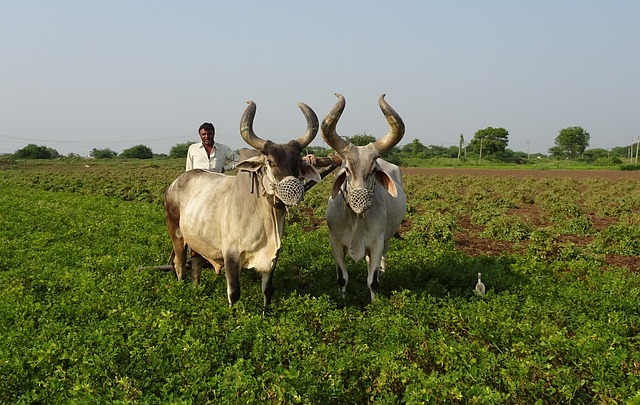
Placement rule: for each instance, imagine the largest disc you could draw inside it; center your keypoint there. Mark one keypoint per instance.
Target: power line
(88, 142)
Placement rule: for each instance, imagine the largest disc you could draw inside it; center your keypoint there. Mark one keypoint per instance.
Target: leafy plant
(81, 324)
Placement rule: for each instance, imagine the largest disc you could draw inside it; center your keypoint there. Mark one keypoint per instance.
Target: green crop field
(559, 323)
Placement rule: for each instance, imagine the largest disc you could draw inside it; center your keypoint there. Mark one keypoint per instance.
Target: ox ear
(309, 172)
(387, 182)
(251, 165)
(337, 184)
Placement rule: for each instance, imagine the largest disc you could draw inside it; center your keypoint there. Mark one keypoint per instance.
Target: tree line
(488, 143)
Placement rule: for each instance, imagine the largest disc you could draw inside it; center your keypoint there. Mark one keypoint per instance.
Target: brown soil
(533, 173)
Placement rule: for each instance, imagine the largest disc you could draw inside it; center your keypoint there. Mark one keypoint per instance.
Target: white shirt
(197, 157)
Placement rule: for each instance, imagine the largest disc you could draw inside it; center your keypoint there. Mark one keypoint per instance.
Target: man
(210, 155)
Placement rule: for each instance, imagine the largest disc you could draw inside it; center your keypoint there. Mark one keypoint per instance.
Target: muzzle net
(290, 190)
(360, 199)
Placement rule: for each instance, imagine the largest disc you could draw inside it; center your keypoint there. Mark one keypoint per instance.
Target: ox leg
(267, 285)
(373, 281)
(232, 274)
(343, 278)
(197, 262)
(339, 255)
(267, 288)
(177, 241)
(383, 264)
(373, 276)
(180, 259)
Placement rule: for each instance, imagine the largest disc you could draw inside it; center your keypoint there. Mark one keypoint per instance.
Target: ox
(237, 221)
(367, 202)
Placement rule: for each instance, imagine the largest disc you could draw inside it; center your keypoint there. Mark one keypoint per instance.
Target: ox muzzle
(289, 190)
(359, 199)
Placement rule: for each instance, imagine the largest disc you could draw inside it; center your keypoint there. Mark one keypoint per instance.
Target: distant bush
(607, 161)
(103, 153)
(179, 150)
(33, 151)
(138, 152)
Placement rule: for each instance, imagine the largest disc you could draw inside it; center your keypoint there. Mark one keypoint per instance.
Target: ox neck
(258, 187)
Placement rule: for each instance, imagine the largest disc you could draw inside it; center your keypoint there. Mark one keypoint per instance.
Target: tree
(179, 150)
(493, 141)
(54, 153)
(571, 142)
(317, 151)
(392, 155)
(413, 149)
(460, 146)
(33, 151)
(361, 140)
(597, 153)
(621, 151)
(105, 153)
(138, 152)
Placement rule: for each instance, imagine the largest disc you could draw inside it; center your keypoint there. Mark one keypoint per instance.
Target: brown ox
(237, 221)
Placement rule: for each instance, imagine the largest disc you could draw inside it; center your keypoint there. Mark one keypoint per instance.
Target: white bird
(479, 286)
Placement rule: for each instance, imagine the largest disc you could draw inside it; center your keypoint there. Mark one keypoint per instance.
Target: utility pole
(480, 160)
(528, 142)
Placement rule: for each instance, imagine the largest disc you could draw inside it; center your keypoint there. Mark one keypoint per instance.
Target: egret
(479, 286)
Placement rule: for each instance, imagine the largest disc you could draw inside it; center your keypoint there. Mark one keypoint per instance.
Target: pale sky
(78, 75)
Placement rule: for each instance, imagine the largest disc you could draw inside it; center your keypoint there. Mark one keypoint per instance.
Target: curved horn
(396, 127)
(312, 125)
(329, 123)
(246, 127)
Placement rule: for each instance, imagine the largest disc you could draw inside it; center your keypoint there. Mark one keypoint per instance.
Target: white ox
(237, 222)
(367, 202)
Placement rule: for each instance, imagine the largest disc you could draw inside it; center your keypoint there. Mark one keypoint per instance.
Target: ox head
(281, 169)
(361, 173)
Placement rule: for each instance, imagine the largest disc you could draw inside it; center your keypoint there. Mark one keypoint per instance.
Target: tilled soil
(467, 239)
(533, 173)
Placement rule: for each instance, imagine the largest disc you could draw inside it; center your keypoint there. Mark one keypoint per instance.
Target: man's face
(206, 137)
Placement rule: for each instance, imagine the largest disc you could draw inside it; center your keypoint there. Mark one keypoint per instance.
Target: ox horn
(250, 137)
(329, 126)
(246, 127)
(396, 127)
(312, 125)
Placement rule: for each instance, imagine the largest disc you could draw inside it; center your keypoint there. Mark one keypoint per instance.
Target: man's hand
(311, 159)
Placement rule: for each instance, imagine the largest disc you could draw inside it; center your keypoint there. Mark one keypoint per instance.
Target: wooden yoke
(329, 163)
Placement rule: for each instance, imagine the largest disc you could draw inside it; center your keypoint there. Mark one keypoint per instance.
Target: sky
(78, 75)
